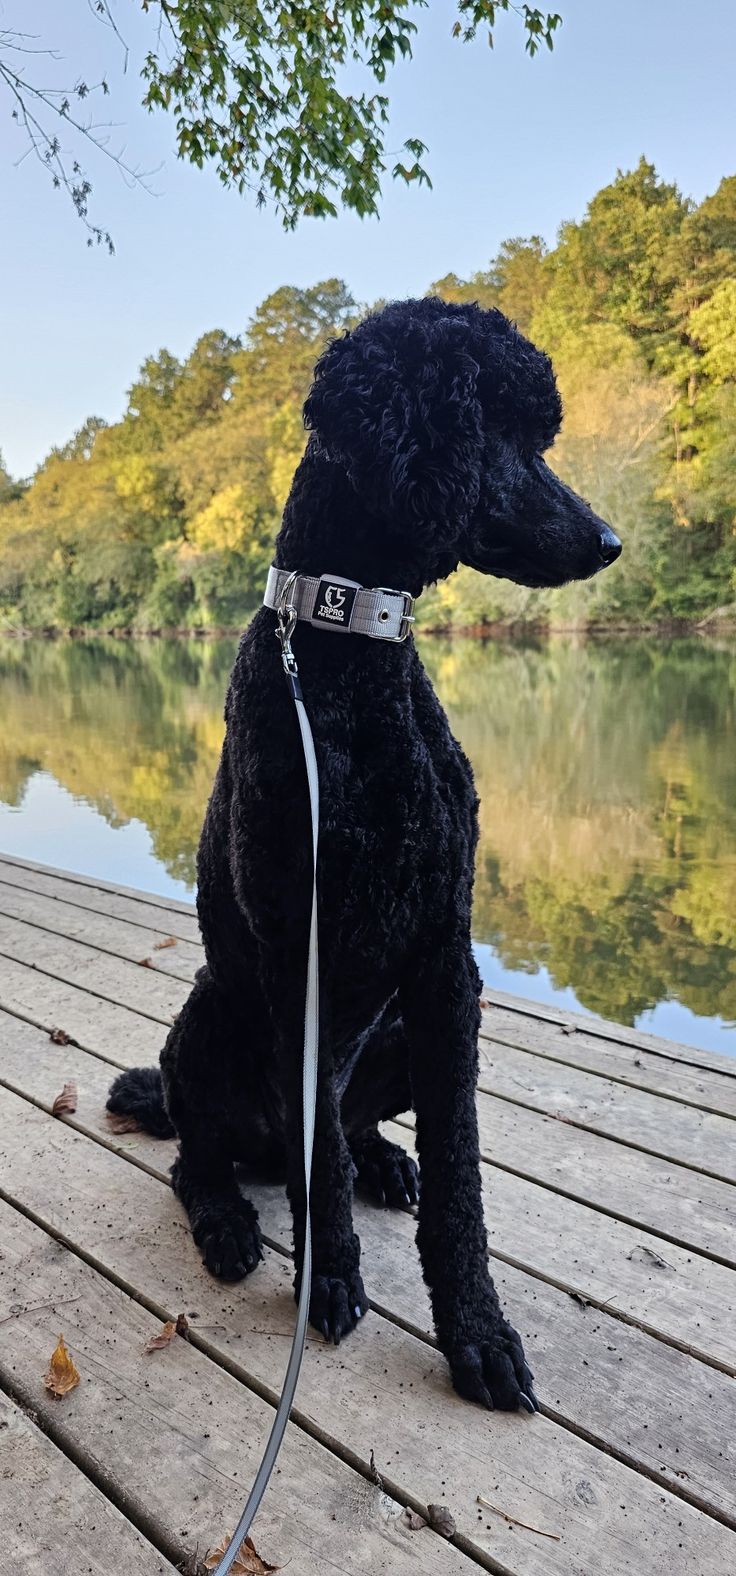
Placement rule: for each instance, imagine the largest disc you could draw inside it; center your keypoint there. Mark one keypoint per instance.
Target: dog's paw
(494, 1371)
(386, 1174)
(228, 1237)
(336, 1305)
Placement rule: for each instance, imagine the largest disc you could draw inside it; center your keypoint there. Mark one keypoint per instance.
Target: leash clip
(286, 619)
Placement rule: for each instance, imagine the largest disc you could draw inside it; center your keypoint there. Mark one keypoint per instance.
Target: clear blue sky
(516, 146)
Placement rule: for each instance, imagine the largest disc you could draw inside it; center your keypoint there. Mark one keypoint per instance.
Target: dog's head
(441, 415)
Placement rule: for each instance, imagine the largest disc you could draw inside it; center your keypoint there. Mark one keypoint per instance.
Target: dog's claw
(385, 1173)
(228, 1237)
(336, 1304)
(492, 1370)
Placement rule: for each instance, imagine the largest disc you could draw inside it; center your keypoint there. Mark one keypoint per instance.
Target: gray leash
(286, 614)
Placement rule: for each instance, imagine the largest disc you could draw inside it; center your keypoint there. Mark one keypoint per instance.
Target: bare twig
(486, 1503)
(38, 1307)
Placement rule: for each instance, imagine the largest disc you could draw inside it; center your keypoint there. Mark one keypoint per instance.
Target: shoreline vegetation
(165, 520)
(720, 623)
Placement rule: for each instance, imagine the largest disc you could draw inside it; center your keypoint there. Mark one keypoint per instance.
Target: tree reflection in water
(606, 770)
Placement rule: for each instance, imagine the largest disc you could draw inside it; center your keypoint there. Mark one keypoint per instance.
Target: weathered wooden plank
(53, 1519)
(67, 888)
(43, 996)
(701, 1087)
(144, 1239)
(160, 949)
(619, 1034)
(154, 898)
(180, 1438)
(683, 1205)
(605, 1517)
(616, 1384)
(114, 979)
(117, 1032)
(667, 1290)
(601, 1105)
(31, 1064)
(670, 1291)
(642, 1063)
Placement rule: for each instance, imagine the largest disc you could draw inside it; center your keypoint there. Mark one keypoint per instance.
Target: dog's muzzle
(332, 602)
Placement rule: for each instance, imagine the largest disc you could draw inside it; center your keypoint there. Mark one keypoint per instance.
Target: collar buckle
(407, 616)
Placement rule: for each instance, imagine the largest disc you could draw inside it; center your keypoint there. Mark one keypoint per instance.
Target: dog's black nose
(609, 546)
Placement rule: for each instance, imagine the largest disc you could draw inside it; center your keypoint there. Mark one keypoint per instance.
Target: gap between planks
(599, 1062)
(156, 899)
(599, 1028)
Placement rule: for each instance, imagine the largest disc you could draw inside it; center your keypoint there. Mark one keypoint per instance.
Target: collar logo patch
(333, 604)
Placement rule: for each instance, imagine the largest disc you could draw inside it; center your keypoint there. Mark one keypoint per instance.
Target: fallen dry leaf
(412, 1519)
(172, 1327)
(66, 1101)
(247, 1561)
(61, 1374)
(118, 1123)
(145, 963)
(60, 1037)
(442, 1520)
(169, 941)
(165, 1334)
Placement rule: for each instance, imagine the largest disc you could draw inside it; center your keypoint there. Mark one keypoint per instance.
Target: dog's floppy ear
(396, 401)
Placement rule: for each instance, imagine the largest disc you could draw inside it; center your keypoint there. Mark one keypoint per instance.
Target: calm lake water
(606, 872)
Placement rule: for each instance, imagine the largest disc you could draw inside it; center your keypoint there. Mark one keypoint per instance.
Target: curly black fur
(428, 424)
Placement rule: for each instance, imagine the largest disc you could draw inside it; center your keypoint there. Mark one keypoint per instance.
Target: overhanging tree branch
(259, 91)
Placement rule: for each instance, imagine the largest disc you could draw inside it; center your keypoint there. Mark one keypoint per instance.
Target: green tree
(285, 336)
(168, 516)
(9, 489)
(516, 281)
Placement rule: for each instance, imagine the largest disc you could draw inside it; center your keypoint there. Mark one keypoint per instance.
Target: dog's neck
(328, 529)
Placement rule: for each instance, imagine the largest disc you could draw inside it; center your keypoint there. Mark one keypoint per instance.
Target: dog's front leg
(338, 1298)
(440, 1003)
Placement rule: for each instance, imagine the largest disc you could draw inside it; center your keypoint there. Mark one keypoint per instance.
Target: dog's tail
(139, 1093)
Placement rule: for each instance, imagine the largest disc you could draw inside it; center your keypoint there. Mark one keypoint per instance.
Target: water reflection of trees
(134, 729)
(607, 775)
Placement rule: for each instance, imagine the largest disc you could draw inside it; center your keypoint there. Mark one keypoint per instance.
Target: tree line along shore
(165, 520)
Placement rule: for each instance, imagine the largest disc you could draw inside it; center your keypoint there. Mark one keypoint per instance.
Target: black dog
(428, 425)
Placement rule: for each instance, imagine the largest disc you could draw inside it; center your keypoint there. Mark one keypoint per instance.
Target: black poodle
(428, 426)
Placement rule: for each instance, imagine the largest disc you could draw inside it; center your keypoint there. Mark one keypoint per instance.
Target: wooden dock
(609, 1168)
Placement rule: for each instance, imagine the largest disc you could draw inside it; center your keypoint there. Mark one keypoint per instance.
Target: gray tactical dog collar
(332, 602)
